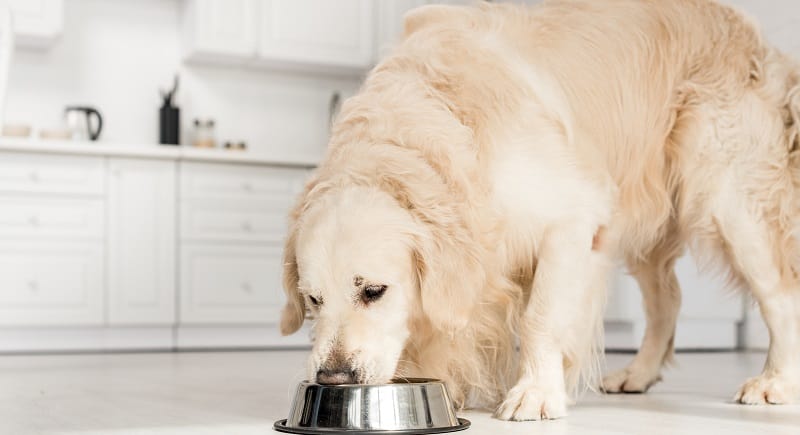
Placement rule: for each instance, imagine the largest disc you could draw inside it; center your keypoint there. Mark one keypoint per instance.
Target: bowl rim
(392, 382)
(281, 426)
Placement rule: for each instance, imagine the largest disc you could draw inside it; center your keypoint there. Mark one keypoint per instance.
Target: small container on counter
(16, 130)
(203, 136)
(235, 146)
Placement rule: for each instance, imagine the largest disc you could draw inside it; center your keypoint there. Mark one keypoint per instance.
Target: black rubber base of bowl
(280, 426)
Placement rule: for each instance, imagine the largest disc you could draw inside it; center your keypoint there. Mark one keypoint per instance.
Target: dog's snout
(337, 368)
(336, 377)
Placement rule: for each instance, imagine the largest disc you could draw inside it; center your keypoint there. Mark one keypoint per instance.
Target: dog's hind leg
(661, 295)
(752, 246)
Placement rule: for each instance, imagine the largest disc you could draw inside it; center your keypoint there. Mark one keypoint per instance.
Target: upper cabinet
(221, 29)
(314, 32)
(342, 36)
(298, 34)
(37, 23)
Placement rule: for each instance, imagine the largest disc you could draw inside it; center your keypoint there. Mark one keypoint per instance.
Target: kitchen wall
(115, 54)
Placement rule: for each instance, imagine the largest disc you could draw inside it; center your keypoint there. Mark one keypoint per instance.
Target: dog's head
(366, 269)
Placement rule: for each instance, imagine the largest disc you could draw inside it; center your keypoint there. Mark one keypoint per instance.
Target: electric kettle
(79, 122)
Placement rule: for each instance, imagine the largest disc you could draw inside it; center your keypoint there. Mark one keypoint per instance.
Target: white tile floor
(244, 392)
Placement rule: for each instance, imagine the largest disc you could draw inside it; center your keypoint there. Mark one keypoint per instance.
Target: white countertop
(166, 152)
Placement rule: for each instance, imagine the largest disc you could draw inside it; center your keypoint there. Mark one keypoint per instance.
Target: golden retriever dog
(481, 186)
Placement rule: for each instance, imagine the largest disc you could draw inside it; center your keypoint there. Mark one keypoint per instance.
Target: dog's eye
(314, 301)
(372, 293)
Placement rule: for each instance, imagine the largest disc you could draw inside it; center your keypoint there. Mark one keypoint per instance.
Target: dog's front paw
(629, 380)
(528, 402)
(766, 389)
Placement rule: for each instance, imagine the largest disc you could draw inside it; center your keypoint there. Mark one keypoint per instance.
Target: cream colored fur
(501, 159)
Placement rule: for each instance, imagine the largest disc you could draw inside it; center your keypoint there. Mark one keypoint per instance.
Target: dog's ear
(450, 276)
(294, 312)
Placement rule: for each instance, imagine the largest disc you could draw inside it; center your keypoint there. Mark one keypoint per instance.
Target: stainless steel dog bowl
(403, 407)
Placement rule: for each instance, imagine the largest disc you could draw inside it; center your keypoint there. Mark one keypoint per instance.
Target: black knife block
(169, 125)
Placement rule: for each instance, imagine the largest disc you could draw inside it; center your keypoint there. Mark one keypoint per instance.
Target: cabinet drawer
(51, 284)
(221, 181)
(213, 220)
(27, 217)
(230, 284)
(34, 173)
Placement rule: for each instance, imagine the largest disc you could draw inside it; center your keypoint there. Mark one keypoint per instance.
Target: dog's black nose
(336, 377)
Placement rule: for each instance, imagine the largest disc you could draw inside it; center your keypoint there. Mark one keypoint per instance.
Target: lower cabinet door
(51, 284)
(230, 284)
(141, 242)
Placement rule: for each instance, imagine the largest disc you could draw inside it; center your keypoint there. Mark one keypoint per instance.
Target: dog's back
(623, 78)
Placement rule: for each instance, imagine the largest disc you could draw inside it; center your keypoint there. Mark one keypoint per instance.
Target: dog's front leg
(558, 295)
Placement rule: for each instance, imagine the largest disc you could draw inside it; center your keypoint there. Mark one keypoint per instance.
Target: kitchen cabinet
(335, 36)
(317, 33)
(230, 283)
(51, 240)
(261, 221)
(51, 283)
(141, 242)
(233, 222)
(56, 175)
(221, 29)
(37, 23)
(106, 247)
(242, 183)
(344, 36)
(51, 218)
